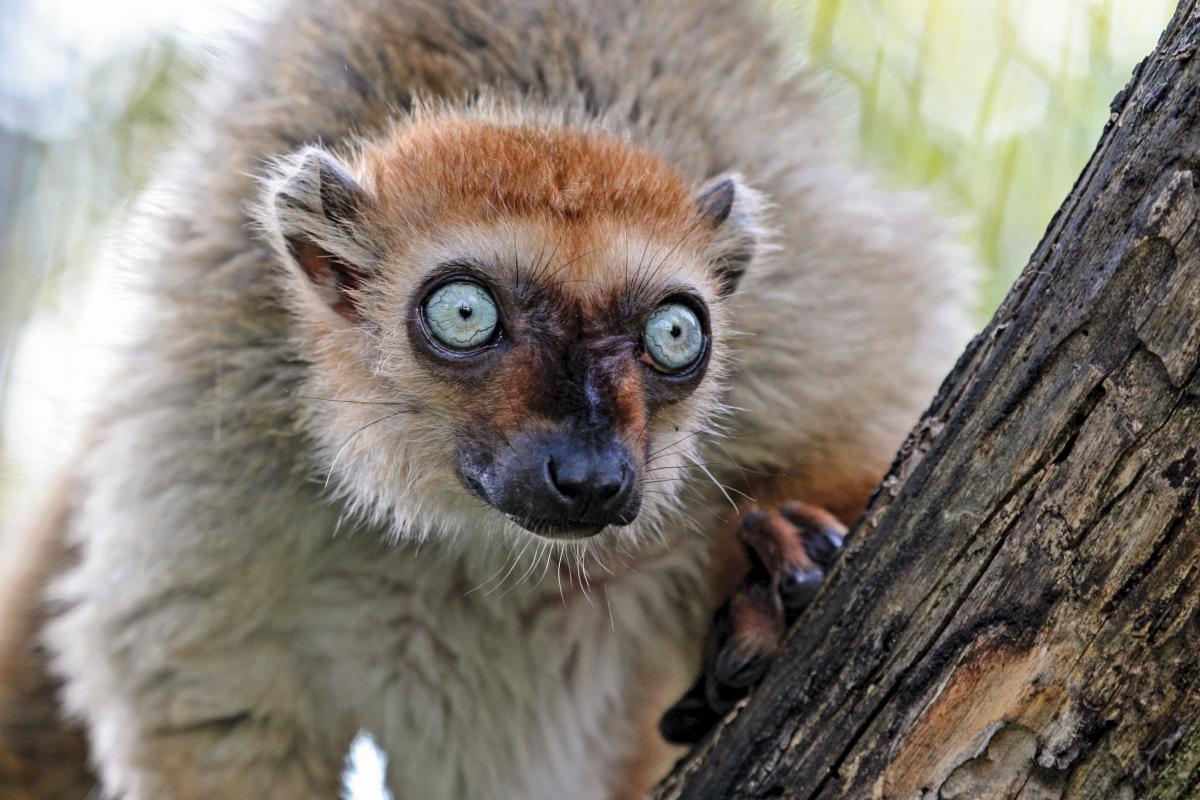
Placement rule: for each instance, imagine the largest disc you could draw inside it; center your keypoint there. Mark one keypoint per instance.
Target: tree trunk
(1018, 613)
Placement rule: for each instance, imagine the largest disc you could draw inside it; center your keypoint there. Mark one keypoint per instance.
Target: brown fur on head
(578, 237)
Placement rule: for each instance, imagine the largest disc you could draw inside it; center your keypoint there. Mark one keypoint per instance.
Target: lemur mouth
(561, 531)
(544, 527)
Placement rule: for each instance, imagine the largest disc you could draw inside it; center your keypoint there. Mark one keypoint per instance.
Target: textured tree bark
(1018, 613)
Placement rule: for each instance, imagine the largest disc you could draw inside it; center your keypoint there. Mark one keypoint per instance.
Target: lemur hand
(789, 549)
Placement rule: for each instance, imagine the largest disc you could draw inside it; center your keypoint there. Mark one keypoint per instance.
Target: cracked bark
(1018, 613)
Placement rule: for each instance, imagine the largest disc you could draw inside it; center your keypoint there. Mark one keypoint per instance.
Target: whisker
(533, 562)
(568, 263)
(546, 568)
(722, 487)
(584, 583)
(651, 456)
(350, 438)
(558, 573)
(516, 561)
(414, 410)
(486, 581)
(730, 464)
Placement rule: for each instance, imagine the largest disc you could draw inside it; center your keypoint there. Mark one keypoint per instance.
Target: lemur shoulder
(507, 365)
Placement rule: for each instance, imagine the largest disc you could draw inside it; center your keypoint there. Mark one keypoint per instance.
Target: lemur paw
(789, 549)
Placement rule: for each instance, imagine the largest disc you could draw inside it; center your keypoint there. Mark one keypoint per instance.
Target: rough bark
(1018, 613)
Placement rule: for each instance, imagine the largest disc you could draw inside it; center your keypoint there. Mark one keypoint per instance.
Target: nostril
(614, 485)
(565, 488)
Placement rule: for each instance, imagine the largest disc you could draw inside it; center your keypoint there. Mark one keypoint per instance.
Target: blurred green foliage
(993, 104)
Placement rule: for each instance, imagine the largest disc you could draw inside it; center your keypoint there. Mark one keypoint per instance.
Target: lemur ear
(734, 212)
(315, 210)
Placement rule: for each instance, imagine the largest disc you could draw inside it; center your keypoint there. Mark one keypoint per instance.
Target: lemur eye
(462, 315)
(673, 337)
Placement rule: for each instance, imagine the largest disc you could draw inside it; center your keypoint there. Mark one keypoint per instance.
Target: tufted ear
(734, 212)
(315, 211)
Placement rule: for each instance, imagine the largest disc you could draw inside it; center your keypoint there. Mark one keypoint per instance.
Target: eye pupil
(675, 331)
(464, 311)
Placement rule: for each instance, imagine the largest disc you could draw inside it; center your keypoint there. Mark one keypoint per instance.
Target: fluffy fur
(274, 549)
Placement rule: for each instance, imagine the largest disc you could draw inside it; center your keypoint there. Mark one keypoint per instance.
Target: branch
(1018, 612)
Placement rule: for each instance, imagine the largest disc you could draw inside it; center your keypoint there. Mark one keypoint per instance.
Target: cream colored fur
(252, 590)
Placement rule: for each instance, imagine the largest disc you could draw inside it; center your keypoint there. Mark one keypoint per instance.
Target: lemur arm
(768, 561)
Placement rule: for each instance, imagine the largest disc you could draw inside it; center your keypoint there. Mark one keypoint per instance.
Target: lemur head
(509, 320)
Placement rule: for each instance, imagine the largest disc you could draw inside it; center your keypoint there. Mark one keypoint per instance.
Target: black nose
(564, 482)
(588, 482)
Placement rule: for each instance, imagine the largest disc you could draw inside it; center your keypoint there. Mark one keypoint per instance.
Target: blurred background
(992, 105)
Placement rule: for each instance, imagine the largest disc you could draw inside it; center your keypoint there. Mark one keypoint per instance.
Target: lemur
(508, 374)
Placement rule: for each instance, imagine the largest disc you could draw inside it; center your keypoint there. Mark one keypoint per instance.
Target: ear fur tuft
(315, 210)
(716, 201)
(735, 212)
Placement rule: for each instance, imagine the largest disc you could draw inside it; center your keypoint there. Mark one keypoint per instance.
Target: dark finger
(822, 533)
(748, 639)
(690, 718)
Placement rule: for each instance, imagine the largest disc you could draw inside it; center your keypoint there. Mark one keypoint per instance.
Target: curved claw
(822, 533)
(797, 589)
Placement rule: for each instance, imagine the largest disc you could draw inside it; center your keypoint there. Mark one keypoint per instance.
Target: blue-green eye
(673, 336)
(462, 315)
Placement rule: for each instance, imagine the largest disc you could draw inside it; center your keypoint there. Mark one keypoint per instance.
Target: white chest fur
(513, 690)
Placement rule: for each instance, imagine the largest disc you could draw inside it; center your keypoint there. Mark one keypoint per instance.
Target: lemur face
(510, 323)
(562, 378)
